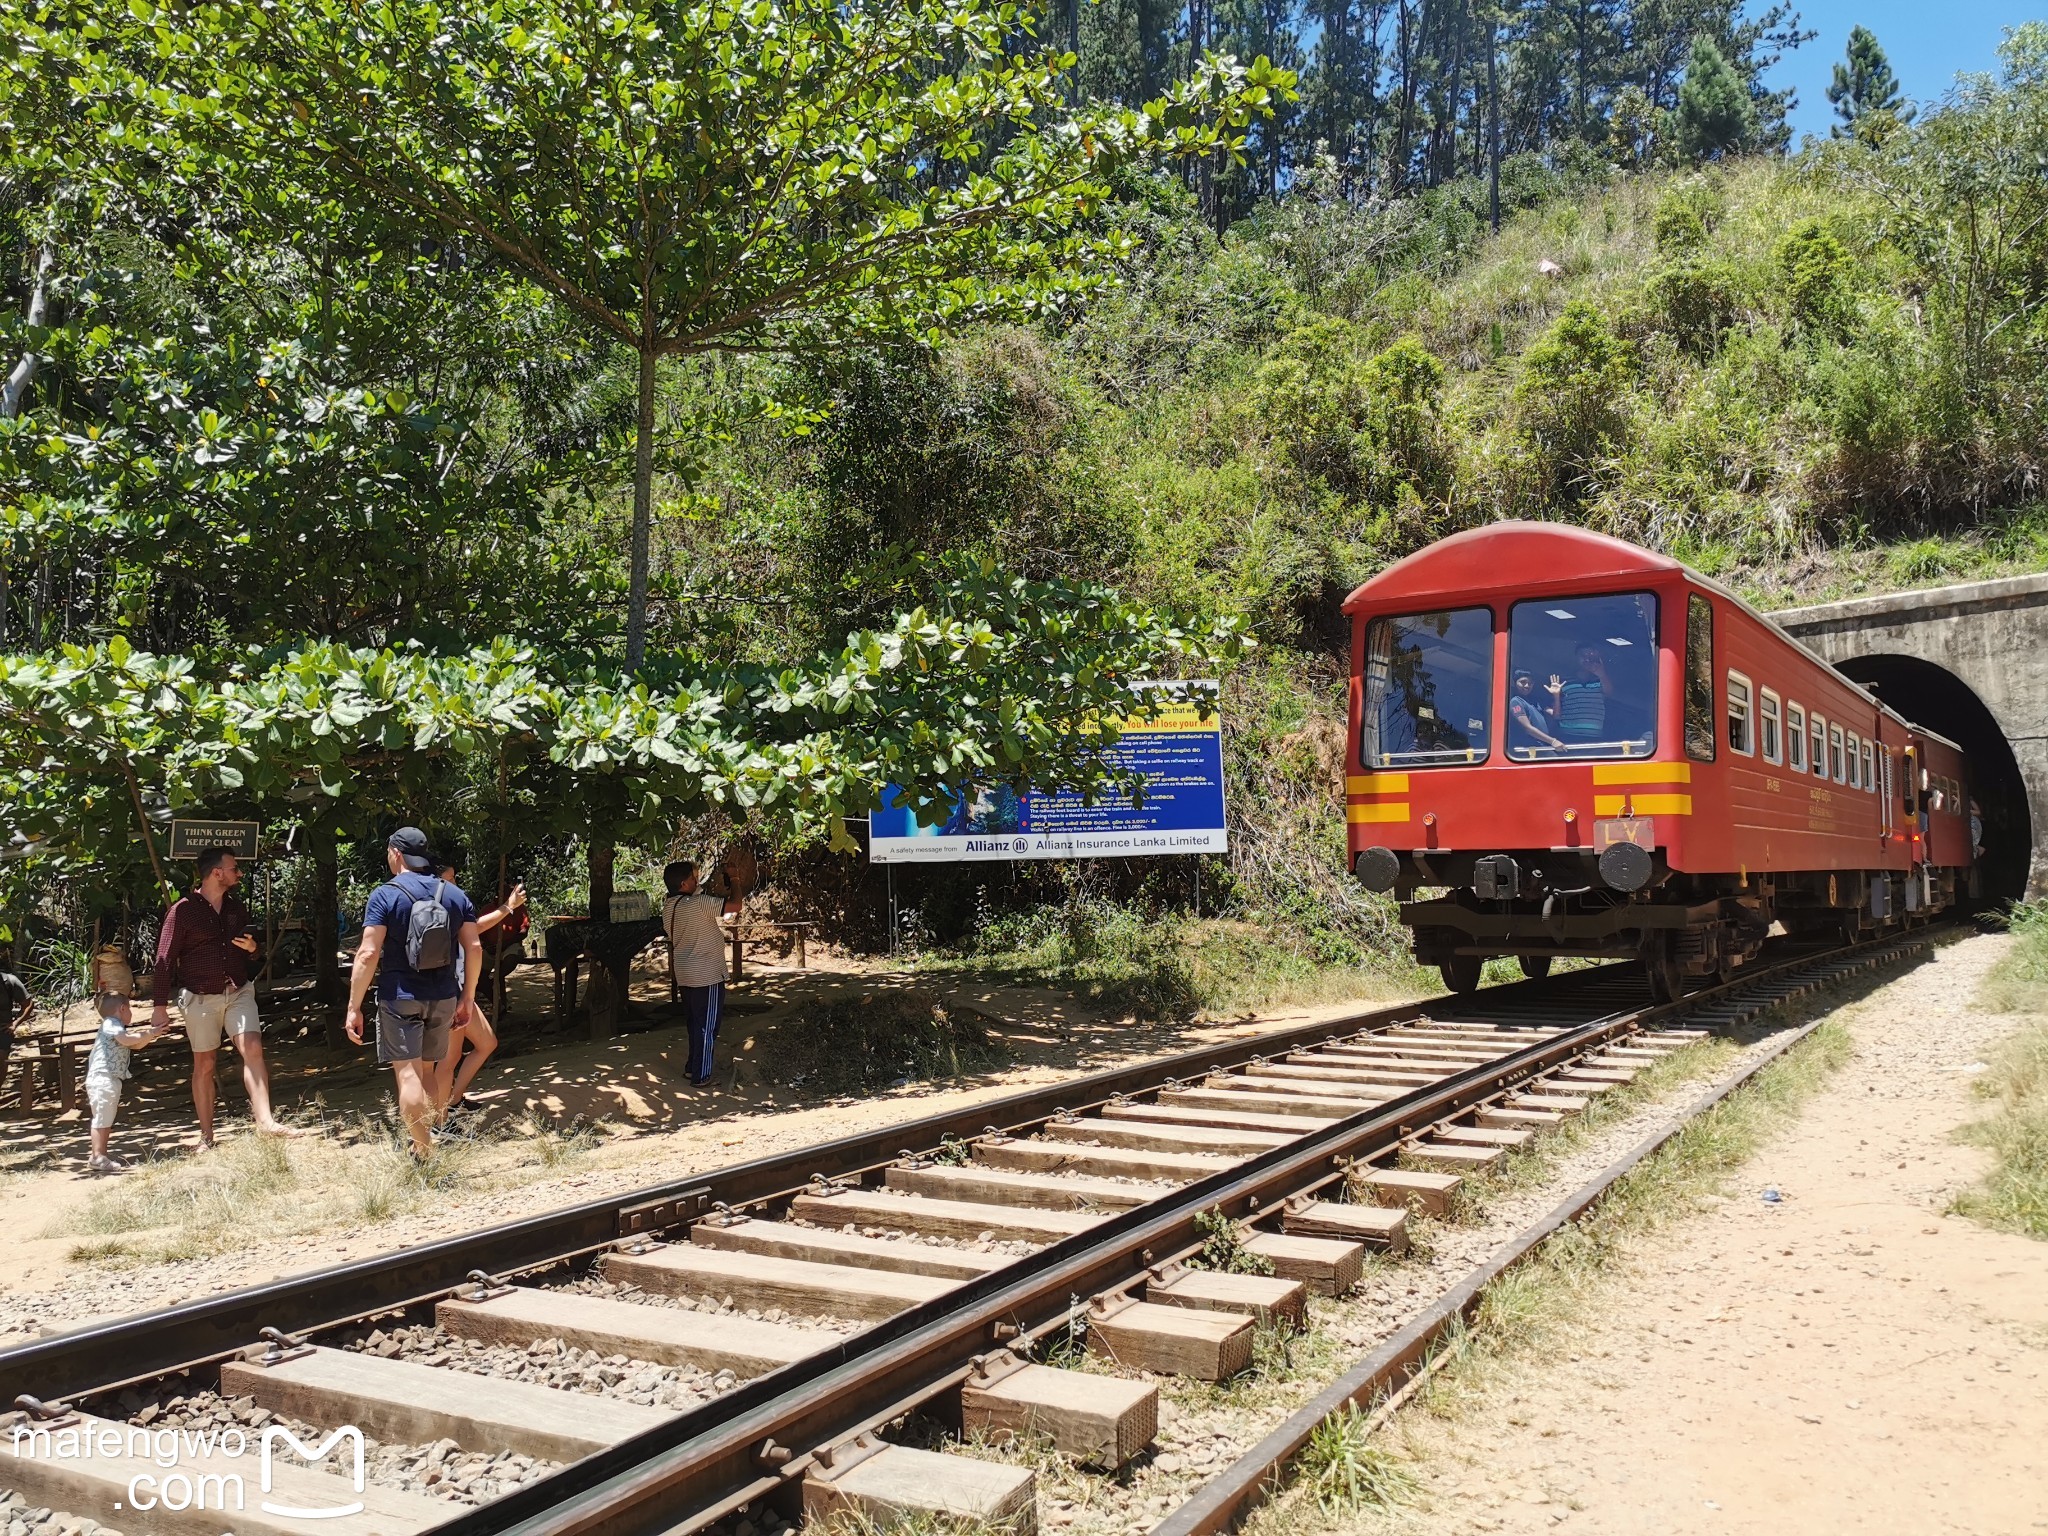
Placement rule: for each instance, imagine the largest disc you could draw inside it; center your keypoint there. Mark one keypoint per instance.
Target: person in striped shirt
(1579, 707)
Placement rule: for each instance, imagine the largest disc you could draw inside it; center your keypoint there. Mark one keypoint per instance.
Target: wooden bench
(56, 1065)
(781, 937)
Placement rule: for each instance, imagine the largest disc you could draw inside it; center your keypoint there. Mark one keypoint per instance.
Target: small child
(108, 1070)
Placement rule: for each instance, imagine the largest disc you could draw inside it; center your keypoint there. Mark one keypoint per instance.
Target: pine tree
(1715, 115)
(1863, 85)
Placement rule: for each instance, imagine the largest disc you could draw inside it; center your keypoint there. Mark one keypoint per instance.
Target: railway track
(746, 1341)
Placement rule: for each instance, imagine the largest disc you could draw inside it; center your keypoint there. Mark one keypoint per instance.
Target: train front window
(1582, 677)
(1428, 689)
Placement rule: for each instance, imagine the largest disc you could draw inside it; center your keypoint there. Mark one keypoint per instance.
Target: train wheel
(1535, 967)
(1667, 980)
(1461, 972)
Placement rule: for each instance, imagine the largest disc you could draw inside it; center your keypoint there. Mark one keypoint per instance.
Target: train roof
(1543, 556)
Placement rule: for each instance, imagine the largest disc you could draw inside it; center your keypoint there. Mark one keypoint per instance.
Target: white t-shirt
(696, 939)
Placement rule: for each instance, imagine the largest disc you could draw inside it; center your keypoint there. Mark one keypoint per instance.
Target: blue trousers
(701, 1007)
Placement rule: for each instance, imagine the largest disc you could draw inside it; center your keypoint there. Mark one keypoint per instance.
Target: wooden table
(569, 941)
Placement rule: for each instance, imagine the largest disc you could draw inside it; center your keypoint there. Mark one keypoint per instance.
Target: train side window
(1849, 758)
(1795, 738)
(1853, 746)
(1835, 763)
(1817, 736)
(1741, 720)
(1769, 721)
(1699, 680)
(1869, 768)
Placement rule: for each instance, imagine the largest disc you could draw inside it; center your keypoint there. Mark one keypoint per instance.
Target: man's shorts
(413, 1030)
(103, 1097)
(209, 1015)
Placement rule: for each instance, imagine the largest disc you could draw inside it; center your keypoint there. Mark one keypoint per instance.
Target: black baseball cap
(411, 844)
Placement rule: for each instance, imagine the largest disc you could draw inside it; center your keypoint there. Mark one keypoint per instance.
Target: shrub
(1817, 273)
(1573, 395)
(1697, 302)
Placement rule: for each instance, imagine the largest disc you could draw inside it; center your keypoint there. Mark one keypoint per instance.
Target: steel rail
(1405, 1358)
(658, 1480)
(105, 1356)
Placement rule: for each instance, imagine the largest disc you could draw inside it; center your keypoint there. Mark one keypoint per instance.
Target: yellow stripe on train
(1642, 773)
(1376, 784)
(1385, 810)
(1642, 805)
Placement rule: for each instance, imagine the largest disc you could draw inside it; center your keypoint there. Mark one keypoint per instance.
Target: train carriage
(1562, 744)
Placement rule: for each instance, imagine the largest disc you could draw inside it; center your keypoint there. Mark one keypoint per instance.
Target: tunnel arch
(1932, 696)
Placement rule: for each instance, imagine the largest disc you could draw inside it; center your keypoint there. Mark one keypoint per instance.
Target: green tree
(686, 177)
(1715, 116)
(1864, 87)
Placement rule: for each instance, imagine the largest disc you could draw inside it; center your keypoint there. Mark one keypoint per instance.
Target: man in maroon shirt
(202, 958)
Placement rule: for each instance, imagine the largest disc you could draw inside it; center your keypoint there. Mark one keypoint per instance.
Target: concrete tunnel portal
(1969, 662)
(1934, 697)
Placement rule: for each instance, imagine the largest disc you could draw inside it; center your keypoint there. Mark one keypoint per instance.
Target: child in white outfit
(108, 1070)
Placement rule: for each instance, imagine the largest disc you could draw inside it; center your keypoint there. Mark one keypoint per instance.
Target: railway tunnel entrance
(1935, 697)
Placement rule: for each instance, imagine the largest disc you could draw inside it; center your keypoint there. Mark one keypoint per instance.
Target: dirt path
(1844, 1357)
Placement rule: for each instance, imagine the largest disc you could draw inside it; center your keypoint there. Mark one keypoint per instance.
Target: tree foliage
(1003, 679)
(1864, 91)
(1715, 116)
(683, 176)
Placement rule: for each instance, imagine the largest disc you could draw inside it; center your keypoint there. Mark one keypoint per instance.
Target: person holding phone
(202, 958)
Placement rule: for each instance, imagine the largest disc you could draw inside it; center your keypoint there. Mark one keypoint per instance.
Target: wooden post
(601, 859)
(328, 1001)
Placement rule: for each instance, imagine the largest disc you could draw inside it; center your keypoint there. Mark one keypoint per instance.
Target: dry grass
(2014, 1195)
(196, 1207)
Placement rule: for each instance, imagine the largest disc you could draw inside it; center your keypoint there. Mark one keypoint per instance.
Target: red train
(1562, 744)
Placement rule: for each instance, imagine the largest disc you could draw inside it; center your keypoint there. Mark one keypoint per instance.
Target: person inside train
(1578, 709)
(1528, 725)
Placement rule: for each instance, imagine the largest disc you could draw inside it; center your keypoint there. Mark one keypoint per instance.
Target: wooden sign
(189, 839)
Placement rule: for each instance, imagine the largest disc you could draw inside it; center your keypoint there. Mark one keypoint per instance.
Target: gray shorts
(413, 1030)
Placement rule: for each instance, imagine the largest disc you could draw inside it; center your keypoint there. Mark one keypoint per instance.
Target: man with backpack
(415, 926)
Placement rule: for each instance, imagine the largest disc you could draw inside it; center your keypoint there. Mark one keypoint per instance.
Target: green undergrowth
(1169, 966)
(2013, 1196)
(887, 1038)
(1343, 1469)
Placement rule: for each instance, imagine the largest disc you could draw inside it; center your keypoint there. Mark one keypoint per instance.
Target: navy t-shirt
(390, 908)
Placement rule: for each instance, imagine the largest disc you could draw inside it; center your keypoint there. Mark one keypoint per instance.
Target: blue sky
(1928, 42)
